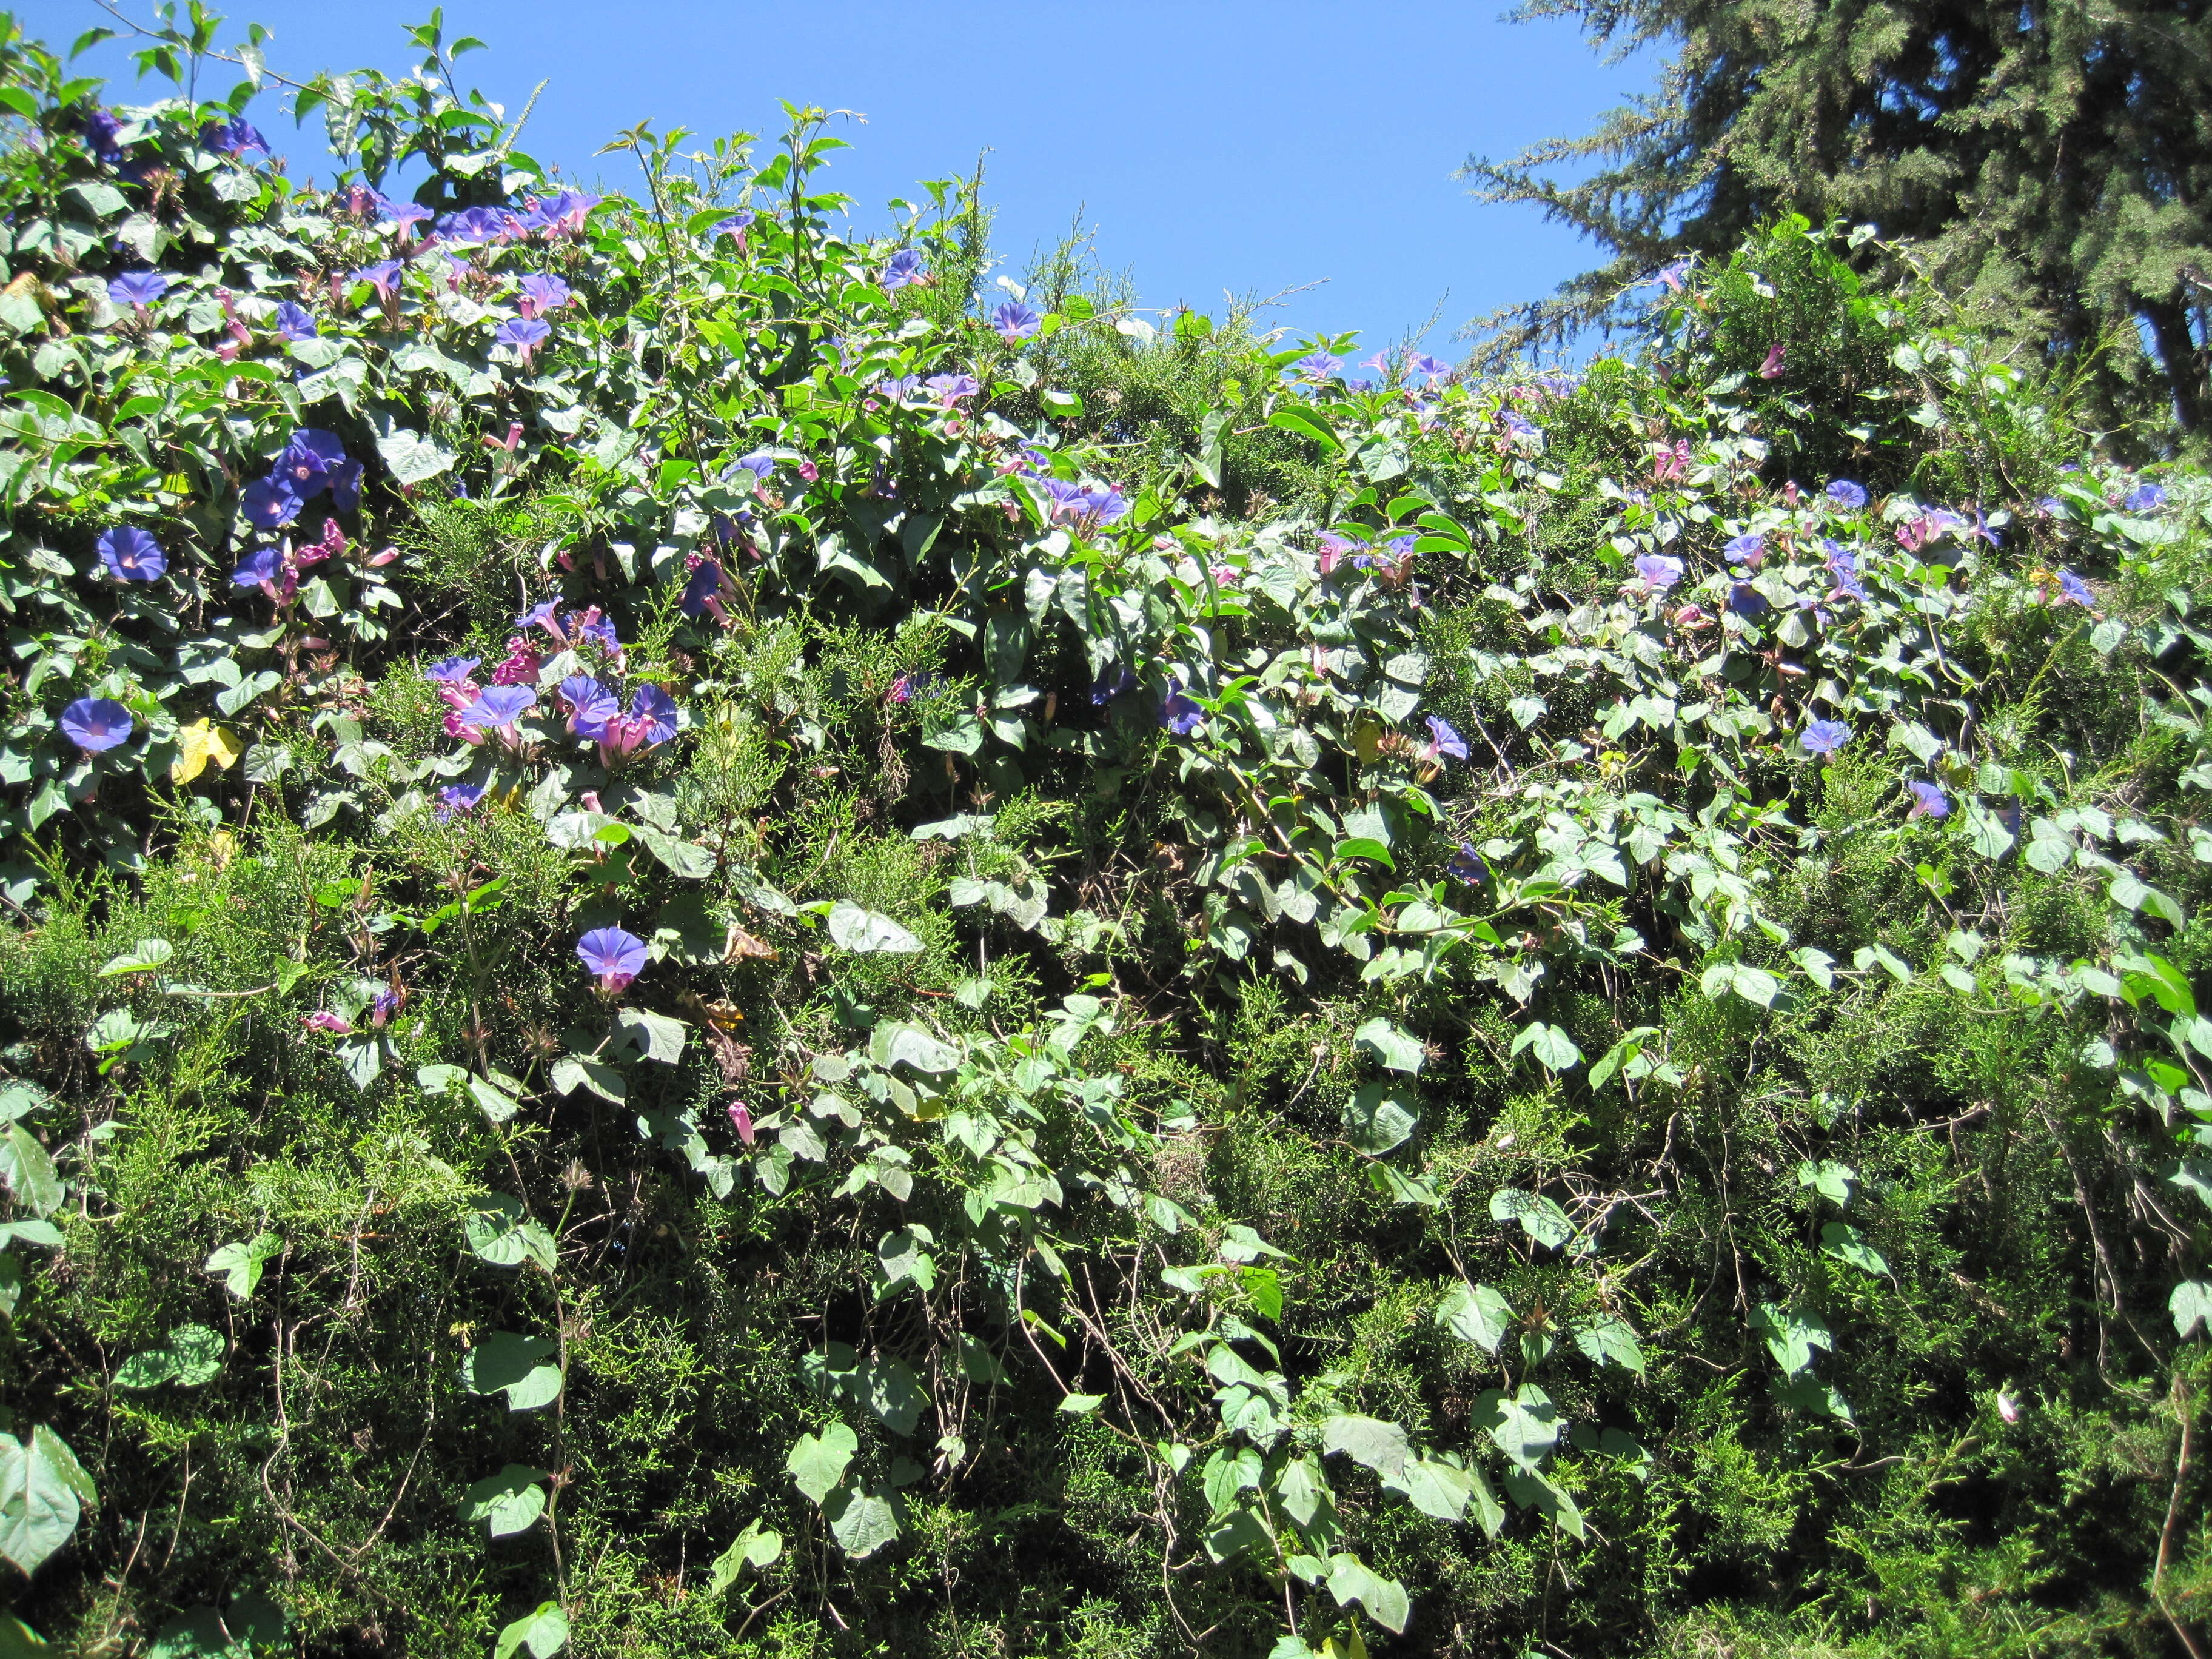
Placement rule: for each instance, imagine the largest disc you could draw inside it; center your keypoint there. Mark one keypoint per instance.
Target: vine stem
(2188, 1410)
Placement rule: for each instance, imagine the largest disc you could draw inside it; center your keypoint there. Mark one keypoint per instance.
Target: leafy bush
(724, 945)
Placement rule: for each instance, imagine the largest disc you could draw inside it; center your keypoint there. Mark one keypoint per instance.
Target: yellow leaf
(201, 743)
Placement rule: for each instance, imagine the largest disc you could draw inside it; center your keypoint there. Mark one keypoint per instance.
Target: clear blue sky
(1209, 144)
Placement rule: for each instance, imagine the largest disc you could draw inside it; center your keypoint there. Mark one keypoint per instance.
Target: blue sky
(1207, 145)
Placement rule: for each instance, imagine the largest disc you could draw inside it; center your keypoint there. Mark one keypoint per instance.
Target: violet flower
(138, 287)
(1443, 740)
(455, 798)
(1772, 367)
(1824, 737)
(733, 225)
(2072, 590)
(525, 334)
(2145, 498)
(542, 295)
(269, 503)
(1847, 495)
(295, 322)
(452, 670)
(1658, 571)
(497, 710)
(1747, 601)
(260, 568)
(902, 269)
(96, 725)
(760, 464)
(1429, 366)
(323, 1020)
(1747, 549)
(1673, 276)
(237, 139)
(1178, 713)
(384, 278)
(1335, 549)
(1318, 366)
(131, 556)
(1843, 566)
(703, 590)
(616, 956)
(1016, 321)
(1468, 865)
(1928, 801)
(950, 389)
(591, 705)
(308, 459)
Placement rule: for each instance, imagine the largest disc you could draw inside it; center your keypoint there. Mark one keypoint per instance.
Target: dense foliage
(2052, 157)
(727, 939)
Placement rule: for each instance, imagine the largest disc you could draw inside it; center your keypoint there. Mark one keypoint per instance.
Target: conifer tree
(2053, 156)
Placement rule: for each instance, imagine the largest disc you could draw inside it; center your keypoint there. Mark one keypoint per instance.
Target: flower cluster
(313, 462)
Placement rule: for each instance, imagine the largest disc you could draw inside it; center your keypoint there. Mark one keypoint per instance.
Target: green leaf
(1080, 1405)
(1385, 1600)
(1539, 1217)
(866, 931)
(1531, 1490)
(757, 1547)
(240, 1265)
(1553, 1047)
(2191, 1303)
(1846, 1244)
(506, 1363)
(191, 1356)
(506, 1502)
(1398, 1050)
(1476, 1314)
(1438, 1488)
(43, 1490)
(1369, 1440)
(817, 1463)
(661, 1037)
(544, 1632)
(1375, 1120)
(1610, 1338)
(1791, 1334)
(412, 459)
(1525, 1425)
(864, 1521)
(147, 955)
(29, 1171)
(1831, 1179)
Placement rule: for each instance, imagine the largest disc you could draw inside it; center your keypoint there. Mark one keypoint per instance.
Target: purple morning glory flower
(1443, 740)
(1468, 865)
(452, 670)
(1063, 499)
(591, 705)
(950, 389)
(1843, 566)
(705, 583)
(1516, 425)
(2072, 590)
(1673, 276)
(1747, 601)
(1658, 570)
(345, 485)
(617, 957)
(138, 287)
(900, 387)
(96, 725)
(456, 798)
(131, 554)
(1824, 737)
(734, 225)
(100, 127)
(1179, 714)
(543, 293)
(902, 268)
(1429, 366)
(1747, 546)
(2145, 498)
(567, 211)
(651, 719)
(383, 276)
(760, 464)
(1114, 684)
(308, 459)
(1928, 801)
(236, 138)
(601, 629)
(525, 334)
(1846, 494)
(262, 565)
(1335, 549)
(1015, 321)
(498, 708)
(1103, 502)
(295, 322)
(271, 501)
(405, 214)
(1317, 365)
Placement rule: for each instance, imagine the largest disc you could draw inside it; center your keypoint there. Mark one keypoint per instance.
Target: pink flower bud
(378, 560)
(742, 1121)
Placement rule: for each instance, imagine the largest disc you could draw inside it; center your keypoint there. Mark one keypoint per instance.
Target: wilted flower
(1772, 367)
(1443, 740)
(525, 334)
(1824, 737)
(1658, 570)
(902, 268)
(138, 287)
(1179, 714)
(1468, 865)
(950, 389)
(1846, 494)
(1928, 801)
(541, 294)
(236, 138)
(617, 957)
(741, 1119)
(2007, 1408)
(1015, 321)
(1843, 566)
(295, 322)
(323, 1020)
(96, 725)
(131, 554)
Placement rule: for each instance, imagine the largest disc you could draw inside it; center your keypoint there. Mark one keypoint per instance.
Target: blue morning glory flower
(295, 322)
(1824, 737)
(1673, 276)
(1847, 495)
(1658, 570)
(271, 501)
(902, 268)
(950, 389)
(1115, 683)
(2072, 590)
(1015, 321)
(96, 725)
(704, 583)
(264, 564)
(732, 224)
(236, 138)
(2145, 498)
(1843, 566)
(1747, 601)
(1318, 366)
(383, 276)
(131, 554)
(1748, 545)
(1443, 740)
(138, 287)
(1178, 713)
(452, 670)
(1928, 801)
(456, 798)
(1468, 865)
(525, 334)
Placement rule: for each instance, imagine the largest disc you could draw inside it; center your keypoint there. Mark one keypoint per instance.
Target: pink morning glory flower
(616, 956)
